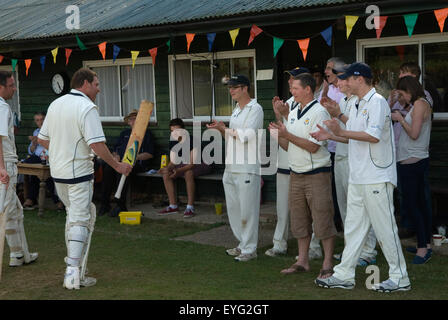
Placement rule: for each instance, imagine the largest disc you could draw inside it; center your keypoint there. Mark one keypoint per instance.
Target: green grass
(143, 262)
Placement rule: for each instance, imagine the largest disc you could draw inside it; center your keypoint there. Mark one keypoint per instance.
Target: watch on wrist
(340, 116)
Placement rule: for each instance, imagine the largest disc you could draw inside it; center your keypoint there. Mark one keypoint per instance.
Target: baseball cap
(340, 69)
(357, 69)
(296, 71)
(238, 79)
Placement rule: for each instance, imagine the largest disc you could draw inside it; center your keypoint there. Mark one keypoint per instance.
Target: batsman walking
(71, 130)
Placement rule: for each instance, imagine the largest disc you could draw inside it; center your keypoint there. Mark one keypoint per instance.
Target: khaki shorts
(311, 205)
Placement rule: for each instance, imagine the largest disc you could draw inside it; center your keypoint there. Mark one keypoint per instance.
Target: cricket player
(373, 176)
(71, 130)
(15, 233)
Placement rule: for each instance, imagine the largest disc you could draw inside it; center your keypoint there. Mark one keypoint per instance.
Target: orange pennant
(27, 64)
(441, 15)
(190, 37)
(102, 47)
(382, 23)
(153, 53)
(1, 59)
(303, 45)
(68, 52)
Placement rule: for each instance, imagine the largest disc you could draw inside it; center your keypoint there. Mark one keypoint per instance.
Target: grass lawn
(142, 262)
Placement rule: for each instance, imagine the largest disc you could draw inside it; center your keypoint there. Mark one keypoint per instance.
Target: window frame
(16, 72)
(419, 40)
(117, 64)
(249, 53)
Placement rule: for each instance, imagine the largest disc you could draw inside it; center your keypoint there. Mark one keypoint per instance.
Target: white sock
(173, 206)
(190, 207)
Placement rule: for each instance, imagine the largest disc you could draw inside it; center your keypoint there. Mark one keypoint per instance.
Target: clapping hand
(321, 135)
(277, 129)
(333, 125)
(331, 106)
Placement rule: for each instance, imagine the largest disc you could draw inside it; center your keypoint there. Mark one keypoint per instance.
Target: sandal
(295, 268)
(324, 272)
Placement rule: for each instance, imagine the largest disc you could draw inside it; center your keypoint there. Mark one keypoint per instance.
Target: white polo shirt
(242, 154)
(282, 157)
(72, 124)
(372, 163)
(301, 123)
(7, 132)
(345, 105)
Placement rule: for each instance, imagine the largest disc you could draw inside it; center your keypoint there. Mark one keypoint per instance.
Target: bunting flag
(327, 34)
(27, 65)
(134, 57)
(168, 44)
(350, 21)
(54, 52)
(277, 45)
(410, 21)
(153, 53)
(102, 47)
(400, 52)
(13, 63)
(68, 52)
(190, 37)
(303, 45)
(441, 15)
(233, 34)
(80, 44)
(1, 58)
(116, 52)
(42, 62)
(210, 38)
(254, 31)
(381, 25)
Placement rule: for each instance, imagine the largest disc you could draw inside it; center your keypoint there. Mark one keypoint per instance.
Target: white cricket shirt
(345, 105)
(7, 132)
(282, 157)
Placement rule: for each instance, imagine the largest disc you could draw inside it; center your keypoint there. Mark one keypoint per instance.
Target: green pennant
(410, 20)
(13, 63)
(168, 43)
(80, 44)
(277, 45)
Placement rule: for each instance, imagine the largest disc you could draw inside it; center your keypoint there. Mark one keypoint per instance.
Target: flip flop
(324, 272)
(295, 268)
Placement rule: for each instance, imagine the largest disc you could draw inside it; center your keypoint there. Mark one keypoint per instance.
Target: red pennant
(382, 23)
(102, 47)
(303, 45)
(27, 64)
(441, 15)
(68, 52)
(400, 51)
(190, 37)
(254, 31)
(153, 53)
(1, 59)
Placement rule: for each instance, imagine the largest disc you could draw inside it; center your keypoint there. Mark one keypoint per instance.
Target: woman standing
(413, 163)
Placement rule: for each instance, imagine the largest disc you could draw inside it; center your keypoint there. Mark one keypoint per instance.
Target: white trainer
(87, 282)
(246, 257)
(20, 261)
(274, 253)
(234, 252)
(71, 278)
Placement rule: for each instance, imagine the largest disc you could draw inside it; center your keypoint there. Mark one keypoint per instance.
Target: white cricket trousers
(242, 191)
(341, 175)
(282, 227)
(371, 204)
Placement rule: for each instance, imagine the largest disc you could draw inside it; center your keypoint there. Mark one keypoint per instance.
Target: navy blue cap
(296, 71)
(357, 69)
(238, 79)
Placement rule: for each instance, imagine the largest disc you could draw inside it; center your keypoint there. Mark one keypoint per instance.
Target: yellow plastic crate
(130, 217)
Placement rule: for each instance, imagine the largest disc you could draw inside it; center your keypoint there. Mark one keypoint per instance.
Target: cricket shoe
(71, 278)
(234, 252)
(366, 262)
(20, 261)
(333, 282)
(246, 257)
(274, 252)
(87, 282)
(389, 286)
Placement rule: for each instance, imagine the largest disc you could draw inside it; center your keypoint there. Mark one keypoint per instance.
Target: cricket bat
(136, 138)
(2, 224)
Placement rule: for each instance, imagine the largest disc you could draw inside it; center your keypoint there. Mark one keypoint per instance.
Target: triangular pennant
(441, 15)
(254, 31)
(168, 44)
(1, 58)
(277, 45)
(80, 44)
(190, 37)
(102, 47)
(13, 63)
(303, 45)
(233, 34)
(381, 24)
(153, 53)
(410, 20)
(134, 57)
(350, 21)
(42, 62)
(210, 38)
(68, 52)
(27, 65)
(116, 52)
(400, 52)
(327, 34)
(54, 52)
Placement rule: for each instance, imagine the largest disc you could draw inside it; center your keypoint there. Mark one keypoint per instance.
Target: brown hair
(81, 75)
(411, 67)
(4, 76)
(411, 85)
(306, 80)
